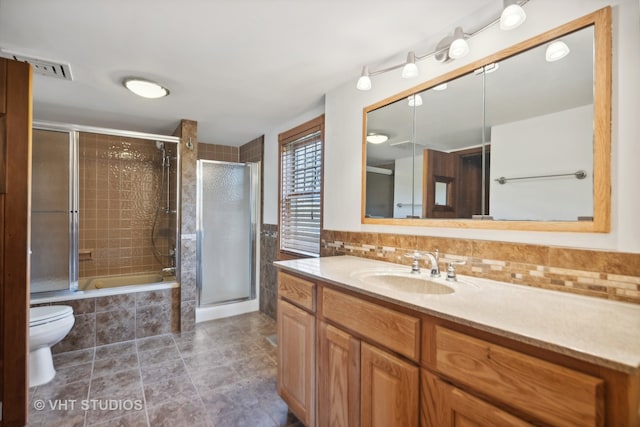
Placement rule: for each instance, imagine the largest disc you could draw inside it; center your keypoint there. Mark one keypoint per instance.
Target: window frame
(308, 128)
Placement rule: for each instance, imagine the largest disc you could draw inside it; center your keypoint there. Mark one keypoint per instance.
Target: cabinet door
(338, 378)
(296, 360)
(389, 389)
(443, 405)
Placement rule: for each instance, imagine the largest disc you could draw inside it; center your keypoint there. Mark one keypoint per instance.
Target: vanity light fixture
(410, 69)
(556, 51)
(145, 88)
(459, 46)
(512, 16)
(377, 138)
(414, 100)
(450, 47)
(364, 82)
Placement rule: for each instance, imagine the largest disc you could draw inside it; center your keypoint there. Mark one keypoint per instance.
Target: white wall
(343, 108)
(522, 148)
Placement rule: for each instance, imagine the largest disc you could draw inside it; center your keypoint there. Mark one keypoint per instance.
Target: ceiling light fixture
(512, 16)
(145, 88)
(449, 48)
(377, 138)
(410, 69)
(459, 46)
(556, 51)
(415, 100)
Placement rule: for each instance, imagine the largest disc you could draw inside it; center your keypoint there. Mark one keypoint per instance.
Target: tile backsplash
(603, 274)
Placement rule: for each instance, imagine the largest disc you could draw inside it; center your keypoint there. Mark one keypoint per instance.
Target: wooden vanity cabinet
(379, 364)
(296, 345)
(444, 405)
(360, 382)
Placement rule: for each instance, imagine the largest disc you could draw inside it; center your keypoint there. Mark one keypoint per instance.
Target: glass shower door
(227, 195)
(54, 212)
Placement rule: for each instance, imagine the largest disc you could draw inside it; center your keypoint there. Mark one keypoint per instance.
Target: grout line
(144, 398)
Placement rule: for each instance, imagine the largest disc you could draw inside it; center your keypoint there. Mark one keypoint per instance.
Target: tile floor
(222, 375)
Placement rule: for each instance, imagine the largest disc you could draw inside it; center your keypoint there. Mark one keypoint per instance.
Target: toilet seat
(47, 314)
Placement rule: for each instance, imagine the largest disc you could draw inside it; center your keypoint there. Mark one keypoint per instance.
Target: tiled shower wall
(602, 274)
(119, 190)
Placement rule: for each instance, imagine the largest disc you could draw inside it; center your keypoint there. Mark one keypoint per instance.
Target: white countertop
(603, 332)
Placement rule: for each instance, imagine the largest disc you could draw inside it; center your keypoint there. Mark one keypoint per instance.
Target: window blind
(301, 186)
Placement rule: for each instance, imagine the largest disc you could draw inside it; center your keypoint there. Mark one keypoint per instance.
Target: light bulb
(410, 69)
(364, 82)
(459, 46)
(512, 17)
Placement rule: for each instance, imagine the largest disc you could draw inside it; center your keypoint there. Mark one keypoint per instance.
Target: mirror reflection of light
(415, 100)
(556, 51)
(377, 138)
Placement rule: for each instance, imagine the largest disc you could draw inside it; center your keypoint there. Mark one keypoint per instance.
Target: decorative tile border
(602, 274)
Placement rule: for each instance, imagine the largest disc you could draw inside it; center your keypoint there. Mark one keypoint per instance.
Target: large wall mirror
(518, 140)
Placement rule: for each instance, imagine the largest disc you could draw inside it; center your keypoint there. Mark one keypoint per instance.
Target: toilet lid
(50, 313)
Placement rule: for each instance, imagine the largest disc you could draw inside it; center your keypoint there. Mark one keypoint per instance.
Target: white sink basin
(403, 282)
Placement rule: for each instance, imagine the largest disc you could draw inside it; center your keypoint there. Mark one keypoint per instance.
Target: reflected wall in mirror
(517, 140)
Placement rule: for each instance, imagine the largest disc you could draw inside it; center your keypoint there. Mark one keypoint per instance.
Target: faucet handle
(415, 255)
(451, 270)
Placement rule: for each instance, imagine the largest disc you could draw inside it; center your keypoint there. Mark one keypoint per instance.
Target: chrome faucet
(169, 271)
(434, 259)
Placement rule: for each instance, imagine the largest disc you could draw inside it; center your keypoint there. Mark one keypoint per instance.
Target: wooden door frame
(15, 129)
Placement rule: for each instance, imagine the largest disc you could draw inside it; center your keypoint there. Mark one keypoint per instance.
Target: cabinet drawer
(551, 393)
(397, 331)
(299, 291)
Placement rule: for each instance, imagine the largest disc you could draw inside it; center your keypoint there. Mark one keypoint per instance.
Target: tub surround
(538, 317)
(117, 316)
(602, 274)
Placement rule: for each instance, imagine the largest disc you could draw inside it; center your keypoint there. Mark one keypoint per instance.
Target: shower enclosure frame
(74, 135)
(222, 309)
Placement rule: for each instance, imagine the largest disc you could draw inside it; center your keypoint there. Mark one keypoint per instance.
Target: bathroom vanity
(365, 342)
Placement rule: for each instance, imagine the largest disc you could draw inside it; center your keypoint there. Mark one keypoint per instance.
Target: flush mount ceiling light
(414, 100)
(410, 69)
(459, 46)
(556, 51)
(450, 47)
(512, 15)
(377, 138)
(145, 88)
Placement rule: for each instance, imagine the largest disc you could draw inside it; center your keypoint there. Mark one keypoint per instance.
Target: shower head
(160, 145)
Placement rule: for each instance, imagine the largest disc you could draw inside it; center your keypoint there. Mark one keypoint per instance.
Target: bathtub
(93, 287)
(104, 282)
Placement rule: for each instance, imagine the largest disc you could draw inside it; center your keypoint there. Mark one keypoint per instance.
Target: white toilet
(48, 325)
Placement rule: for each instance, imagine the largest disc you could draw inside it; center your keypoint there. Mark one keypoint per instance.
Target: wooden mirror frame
(601, 20)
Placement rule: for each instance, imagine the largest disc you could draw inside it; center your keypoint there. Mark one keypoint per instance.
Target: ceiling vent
(42, 66)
